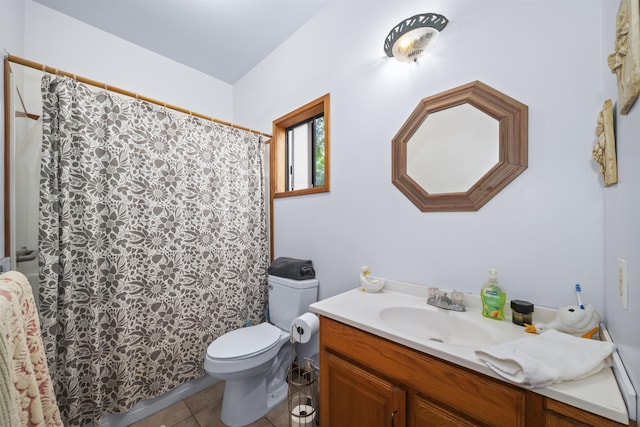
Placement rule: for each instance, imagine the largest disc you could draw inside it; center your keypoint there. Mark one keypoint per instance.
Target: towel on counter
(291, 268)
(548, 358)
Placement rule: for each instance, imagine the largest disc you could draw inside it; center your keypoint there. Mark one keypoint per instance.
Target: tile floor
(203, 410)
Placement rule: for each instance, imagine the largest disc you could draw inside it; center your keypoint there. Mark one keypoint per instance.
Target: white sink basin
(448, 327)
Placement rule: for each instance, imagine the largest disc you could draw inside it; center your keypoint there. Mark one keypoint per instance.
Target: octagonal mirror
(460, 148)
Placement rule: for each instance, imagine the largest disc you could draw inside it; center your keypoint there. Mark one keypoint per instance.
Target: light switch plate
(623, 283)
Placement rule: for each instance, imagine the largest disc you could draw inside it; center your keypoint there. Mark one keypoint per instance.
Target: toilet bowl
(253, 361)
(243, 358)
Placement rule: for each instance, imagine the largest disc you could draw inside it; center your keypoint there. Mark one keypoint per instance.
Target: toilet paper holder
(304, 327)
(303, 393)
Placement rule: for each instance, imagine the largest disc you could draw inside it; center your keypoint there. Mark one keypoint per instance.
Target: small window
(300, 151)
(305, 154)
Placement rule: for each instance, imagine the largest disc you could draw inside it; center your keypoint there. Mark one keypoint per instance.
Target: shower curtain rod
(51, 70)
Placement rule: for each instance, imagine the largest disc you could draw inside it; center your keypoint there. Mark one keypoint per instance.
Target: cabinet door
(427, 414)
(358, 398)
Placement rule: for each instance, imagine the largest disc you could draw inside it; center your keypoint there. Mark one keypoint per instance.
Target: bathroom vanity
(373, 372)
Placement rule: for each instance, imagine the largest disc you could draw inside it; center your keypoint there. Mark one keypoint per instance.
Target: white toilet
(254, 360)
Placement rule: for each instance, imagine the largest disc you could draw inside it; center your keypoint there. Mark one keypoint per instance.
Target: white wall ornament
(604, 151)
(625, 61)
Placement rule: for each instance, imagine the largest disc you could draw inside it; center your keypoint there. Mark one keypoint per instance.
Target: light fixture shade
(408, 40)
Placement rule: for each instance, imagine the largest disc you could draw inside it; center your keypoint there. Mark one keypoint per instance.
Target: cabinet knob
(393, 417)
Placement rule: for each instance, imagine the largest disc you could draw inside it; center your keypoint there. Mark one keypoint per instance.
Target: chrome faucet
(449, 300)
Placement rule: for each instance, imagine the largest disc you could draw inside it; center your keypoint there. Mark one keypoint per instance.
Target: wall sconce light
(408, 40)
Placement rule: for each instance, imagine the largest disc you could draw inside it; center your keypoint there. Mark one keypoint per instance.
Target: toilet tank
(289, 299)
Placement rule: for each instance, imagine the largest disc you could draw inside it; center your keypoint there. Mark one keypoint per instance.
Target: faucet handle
(457, 297)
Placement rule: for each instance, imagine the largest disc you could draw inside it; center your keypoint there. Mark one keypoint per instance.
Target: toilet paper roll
(303, 327)
(299, 417)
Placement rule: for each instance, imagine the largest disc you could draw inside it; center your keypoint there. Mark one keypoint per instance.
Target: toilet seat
(245, 342)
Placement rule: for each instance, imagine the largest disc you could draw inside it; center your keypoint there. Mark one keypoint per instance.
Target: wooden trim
(7, 175)
(278, 159)
(271, 195)
(302, 192)
(51, 70)
(310, 109)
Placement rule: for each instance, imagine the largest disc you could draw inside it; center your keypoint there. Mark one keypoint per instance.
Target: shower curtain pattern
(152, 242)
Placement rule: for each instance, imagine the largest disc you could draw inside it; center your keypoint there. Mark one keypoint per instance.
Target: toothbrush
(578, 290)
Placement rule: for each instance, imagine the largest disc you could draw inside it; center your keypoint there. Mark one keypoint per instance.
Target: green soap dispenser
(493, 297)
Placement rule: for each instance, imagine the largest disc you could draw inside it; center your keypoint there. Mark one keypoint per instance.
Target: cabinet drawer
(424, 413)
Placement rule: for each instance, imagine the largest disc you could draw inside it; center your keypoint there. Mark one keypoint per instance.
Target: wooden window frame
(278, 151)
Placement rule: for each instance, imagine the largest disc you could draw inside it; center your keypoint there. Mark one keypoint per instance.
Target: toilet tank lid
(291, 283)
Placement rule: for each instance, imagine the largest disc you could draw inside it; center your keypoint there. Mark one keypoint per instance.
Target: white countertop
(598, 393)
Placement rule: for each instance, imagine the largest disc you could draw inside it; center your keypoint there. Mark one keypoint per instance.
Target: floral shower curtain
(152, 242)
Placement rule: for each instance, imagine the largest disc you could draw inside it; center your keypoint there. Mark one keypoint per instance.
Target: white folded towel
(549, 358)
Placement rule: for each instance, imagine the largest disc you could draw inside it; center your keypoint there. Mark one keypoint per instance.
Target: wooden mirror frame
(512, 117)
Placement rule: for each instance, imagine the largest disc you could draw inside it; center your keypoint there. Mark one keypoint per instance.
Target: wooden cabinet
(435, 389)
(360, 398)
(366, 381)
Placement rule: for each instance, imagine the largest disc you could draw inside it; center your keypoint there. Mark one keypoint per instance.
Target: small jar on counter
(521, 312)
